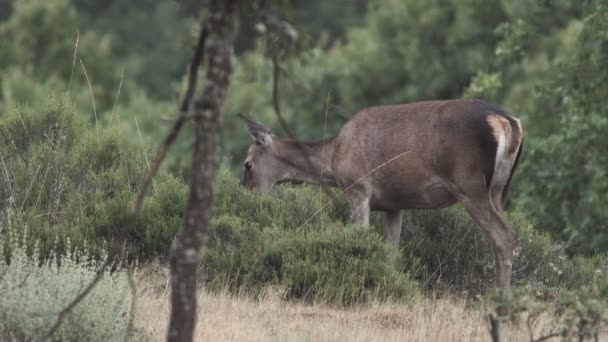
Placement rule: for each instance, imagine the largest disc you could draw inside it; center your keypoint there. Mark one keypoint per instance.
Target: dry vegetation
(226, 317)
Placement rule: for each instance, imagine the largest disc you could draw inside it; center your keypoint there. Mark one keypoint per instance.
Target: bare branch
(273, 28)
(9, 187)
(275, 95)
(546, 337)
(92, 95)
(122, 76)
(199, 55)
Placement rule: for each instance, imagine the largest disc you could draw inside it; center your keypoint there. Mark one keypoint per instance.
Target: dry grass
(225, 317)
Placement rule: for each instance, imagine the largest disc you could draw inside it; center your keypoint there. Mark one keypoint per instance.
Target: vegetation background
(88, 88)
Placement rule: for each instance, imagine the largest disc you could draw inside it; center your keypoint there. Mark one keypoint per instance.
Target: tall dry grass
(226, 317)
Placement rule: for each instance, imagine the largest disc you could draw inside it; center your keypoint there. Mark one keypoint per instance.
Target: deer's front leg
(392, 229)
(359, 206)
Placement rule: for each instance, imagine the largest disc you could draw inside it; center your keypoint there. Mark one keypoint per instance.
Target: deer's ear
(261, 134)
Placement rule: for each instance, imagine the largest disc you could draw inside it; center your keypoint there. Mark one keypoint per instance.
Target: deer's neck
(308, 162)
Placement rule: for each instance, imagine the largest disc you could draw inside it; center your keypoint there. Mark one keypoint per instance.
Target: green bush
(444, 249)
(331, 263)
(65, 179)
(33, 295)
(255, 237)
(285, 240)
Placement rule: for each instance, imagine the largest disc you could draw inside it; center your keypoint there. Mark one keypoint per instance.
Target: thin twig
(322, 160)
(46, 172)
(73, 61)
(199, 55)
(11, 199)
(441, 262)
(92, 96)
(5, 270)
(546, 337)
(143, 148)
(350, 186)
(29, 188)
(276, 70)
(122, 76)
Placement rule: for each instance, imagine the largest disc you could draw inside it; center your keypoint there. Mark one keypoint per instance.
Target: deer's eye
(248, 165)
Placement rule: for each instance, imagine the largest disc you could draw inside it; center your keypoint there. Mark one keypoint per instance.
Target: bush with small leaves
(33, 294)
(64, 179)
(330, 263)
(584, 313)
(445, 250)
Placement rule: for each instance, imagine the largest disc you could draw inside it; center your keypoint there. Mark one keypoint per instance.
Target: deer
(423, 155)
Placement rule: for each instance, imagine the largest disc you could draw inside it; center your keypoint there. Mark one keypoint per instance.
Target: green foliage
(33, 295)
(252, 236)
(260, 241)
(445, 250)
(563, 174)
(153, 40)
(433, 51)
(71, 176)
(67, 181)
(583, 313)
(38, 43)
(64, 180)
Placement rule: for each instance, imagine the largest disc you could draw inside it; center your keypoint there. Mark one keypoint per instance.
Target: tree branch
(186, 247)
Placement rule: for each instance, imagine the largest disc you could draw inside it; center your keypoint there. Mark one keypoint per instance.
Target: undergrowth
(63, 180)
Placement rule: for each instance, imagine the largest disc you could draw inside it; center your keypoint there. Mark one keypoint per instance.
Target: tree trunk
(185, 252)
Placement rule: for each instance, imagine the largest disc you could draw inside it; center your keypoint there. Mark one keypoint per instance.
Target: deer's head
(262, 168)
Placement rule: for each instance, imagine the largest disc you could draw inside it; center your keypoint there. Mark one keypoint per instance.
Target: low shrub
(331, 263)
(256, 237)
(67, 180)
(445, 250)
(34, 294)
(583, 313)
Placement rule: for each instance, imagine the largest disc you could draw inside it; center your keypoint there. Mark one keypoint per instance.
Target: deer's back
(403, 153)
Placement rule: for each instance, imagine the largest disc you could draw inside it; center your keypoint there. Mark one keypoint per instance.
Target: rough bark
(221, 27)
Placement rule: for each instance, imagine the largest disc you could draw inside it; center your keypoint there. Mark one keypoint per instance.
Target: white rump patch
(503, 162)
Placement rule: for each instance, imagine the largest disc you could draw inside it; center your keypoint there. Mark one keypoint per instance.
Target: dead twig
(353, 184)
(184, 108)
(9, 187)
(122, 76)
(92, 95)
(274, 28)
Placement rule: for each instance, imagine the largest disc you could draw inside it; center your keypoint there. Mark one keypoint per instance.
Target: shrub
(256, 239)
(65, 179)
(284, 239)
(583, 312)
(330, 263)
(446, 250)
(33, 295)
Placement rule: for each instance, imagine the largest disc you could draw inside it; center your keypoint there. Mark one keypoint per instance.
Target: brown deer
(423, 155)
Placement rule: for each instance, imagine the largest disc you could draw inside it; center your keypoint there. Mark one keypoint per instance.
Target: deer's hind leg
(477, 200)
